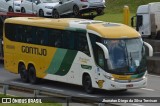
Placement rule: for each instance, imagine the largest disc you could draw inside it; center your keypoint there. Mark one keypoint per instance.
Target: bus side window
(58, 39)
(55, 38)
(19, 36)
(29, 34)
(100, 58)
(41, 36)
(10, 31)
(68, 40)
(51, 39)
(97, 51)
(82, 44)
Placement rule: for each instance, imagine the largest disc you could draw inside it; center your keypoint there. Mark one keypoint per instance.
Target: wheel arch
(30, 65)
(86, 74)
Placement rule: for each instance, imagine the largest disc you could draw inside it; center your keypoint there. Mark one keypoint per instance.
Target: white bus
(94, 54)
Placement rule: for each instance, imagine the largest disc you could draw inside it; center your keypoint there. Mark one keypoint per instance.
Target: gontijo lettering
(34, 50)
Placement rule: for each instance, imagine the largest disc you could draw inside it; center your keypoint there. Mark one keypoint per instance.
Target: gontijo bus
(91, 53)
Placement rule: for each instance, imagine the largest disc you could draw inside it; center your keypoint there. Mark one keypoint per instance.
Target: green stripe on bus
(56, 61)
(86, 67)
(137, 75)
(67, 62)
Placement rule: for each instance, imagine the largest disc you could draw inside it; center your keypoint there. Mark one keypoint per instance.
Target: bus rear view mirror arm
(105, 50)
(150, 48)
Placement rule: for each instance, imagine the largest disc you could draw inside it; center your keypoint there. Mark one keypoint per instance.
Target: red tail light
(84, 0)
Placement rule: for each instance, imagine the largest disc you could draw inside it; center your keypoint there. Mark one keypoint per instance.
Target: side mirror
(150, 49)
(60, 2)
(105, 50)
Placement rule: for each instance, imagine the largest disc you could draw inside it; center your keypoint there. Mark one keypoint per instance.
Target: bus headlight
(109, 77)
(144, 77)
(112, 79)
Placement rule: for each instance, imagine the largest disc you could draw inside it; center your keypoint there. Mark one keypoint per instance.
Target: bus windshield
(126, 56)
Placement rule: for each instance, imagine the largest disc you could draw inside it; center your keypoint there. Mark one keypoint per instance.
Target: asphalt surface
(152, 90)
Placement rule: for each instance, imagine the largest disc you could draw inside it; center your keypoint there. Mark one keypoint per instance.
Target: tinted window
(48, 37)
(19, 33)
(69, 39)
(41, 36)
(97, 51)
(81, 43)
(55, 38)
(10, 31)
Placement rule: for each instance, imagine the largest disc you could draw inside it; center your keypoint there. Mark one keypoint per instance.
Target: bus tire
(87, 84)
(23, 73)
(32, 75)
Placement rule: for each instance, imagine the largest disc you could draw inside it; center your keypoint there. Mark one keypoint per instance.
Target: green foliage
(114, 9)
(116, 6)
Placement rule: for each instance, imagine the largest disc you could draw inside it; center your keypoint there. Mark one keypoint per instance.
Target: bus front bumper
(117, 85)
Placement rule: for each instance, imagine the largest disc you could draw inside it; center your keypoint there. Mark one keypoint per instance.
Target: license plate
(129, 85)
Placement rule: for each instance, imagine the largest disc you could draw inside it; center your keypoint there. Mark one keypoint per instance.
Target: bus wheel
(23, 73)
(32, 75)
(87, 84)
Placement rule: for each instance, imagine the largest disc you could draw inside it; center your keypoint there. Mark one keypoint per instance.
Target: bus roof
(105, 29)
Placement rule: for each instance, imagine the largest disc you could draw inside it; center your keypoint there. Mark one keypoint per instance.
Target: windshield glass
(49, 1)
(126, 55)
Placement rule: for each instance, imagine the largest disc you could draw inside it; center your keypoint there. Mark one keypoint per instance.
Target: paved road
(152, 90)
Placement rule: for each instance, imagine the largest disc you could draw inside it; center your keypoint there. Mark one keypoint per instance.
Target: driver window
(97, 51)
(100, 57)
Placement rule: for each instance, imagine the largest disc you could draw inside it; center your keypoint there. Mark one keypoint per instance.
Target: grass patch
(1, 95)
(114, 9)
(116, 6)
(117, 18)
